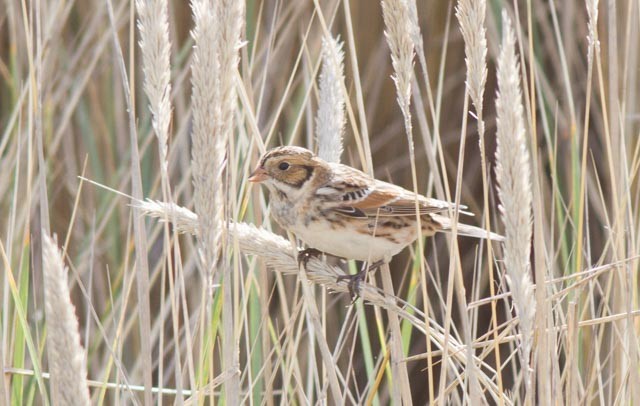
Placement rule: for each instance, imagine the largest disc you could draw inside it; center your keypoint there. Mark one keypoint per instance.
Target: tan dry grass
(72, 90)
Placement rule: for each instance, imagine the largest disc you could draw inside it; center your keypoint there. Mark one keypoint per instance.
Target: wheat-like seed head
(231, 20)
(414, 25)
(592, 25)
(514, 178)
(399, 31)
(208, 146)
(217, 40)
(155, 45)
(218, 27)
(331, 117)
(67, 363)
(471, 16)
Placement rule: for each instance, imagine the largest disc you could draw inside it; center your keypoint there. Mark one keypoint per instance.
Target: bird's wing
(355, 194)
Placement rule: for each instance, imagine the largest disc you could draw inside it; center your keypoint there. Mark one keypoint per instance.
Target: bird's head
(288, 169)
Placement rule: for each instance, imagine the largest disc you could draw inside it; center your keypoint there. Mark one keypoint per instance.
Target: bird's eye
(283, 166)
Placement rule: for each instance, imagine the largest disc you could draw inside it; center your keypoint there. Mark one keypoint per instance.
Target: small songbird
(341, 211)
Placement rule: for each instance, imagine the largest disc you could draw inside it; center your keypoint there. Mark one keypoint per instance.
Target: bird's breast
(353, 238)
(283, 212)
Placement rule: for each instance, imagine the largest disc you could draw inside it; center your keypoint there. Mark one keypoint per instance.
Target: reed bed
(129, 129)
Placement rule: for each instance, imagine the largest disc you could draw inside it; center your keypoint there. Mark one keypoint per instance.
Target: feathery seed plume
(398, 30)
(67, 362)
(331, 117)
(514, 178)
(471, 16)
(153, 25)
(216, 42)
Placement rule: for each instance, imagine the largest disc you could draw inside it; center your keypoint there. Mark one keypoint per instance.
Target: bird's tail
(466, 230)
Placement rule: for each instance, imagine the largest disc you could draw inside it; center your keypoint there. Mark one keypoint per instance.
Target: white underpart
(350, 244)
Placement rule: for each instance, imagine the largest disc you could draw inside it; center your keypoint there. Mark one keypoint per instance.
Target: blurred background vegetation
(61, 95)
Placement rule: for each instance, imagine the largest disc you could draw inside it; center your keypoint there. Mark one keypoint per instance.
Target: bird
(339, 210)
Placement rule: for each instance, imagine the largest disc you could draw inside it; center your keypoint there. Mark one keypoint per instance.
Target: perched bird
(341, 211)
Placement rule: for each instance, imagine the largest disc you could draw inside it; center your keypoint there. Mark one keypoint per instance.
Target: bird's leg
(306, 254)
(375, 266)
(355, 280)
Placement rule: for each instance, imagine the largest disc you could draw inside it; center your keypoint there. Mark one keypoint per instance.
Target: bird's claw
(354, 281)
(353, 284)
(306, 254)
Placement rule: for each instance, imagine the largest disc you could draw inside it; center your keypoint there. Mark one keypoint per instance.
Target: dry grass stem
(514, 178)
(331, 117)
(139, 230)
(67, 362)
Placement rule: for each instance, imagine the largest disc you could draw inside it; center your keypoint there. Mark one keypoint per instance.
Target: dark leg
(305, 255)
(355, 280)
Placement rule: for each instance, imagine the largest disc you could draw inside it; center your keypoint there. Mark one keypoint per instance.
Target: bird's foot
(354, 281)
(306, 254)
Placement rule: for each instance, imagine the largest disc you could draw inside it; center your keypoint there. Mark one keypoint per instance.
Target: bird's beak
(259, 175)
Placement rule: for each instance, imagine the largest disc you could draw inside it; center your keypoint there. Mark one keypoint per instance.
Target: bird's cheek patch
(297, 176)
